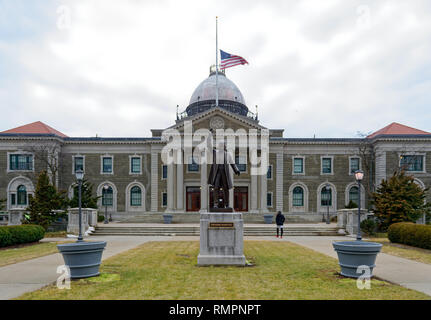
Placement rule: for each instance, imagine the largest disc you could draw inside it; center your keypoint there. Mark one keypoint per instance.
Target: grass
(168, 270)
(404, 251)
(56, 234)
(10, 255)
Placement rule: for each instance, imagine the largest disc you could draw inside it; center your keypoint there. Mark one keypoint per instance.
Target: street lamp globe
(79, 174)
(359, 175)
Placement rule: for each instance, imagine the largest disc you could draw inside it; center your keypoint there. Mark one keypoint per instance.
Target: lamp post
(327, 190)
(359, 175)
(106, 187)
(79, 174)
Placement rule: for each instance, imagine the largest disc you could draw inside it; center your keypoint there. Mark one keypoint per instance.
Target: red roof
(35, 127)
(397, 129)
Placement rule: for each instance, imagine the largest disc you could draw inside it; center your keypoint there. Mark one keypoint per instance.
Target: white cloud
(329, 68)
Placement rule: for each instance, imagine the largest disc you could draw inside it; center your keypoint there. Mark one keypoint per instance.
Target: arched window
(326, 197)
(135, 196)
(298, 197)
(354, 195)
(107, 196)
(22, 195)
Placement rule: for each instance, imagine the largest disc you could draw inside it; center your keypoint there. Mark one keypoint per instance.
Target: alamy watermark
(63, 281)
(364, 280)
(187, 147)
(64, 17)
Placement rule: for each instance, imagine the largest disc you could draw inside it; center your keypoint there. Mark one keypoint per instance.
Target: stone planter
(167, 218)
(352, 254)
(82, 258)
(267, 218)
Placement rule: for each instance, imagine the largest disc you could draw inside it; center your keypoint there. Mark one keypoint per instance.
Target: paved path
(17, 279)
(407, 273)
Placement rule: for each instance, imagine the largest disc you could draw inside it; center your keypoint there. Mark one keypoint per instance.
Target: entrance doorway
(240, 199)
(193, 198)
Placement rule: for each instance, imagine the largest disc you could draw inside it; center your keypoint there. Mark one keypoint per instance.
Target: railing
(231, 106)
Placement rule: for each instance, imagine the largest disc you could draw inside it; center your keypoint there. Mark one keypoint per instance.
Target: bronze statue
(219, 176)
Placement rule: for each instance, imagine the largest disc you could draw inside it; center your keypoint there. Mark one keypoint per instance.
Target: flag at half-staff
(230, 60)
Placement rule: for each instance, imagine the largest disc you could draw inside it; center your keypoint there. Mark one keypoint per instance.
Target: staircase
(122, 229)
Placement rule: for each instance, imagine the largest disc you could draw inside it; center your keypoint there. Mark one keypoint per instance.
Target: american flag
(230, 60)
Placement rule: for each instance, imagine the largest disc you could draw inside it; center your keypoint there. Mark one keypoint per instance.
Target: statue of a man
(219, 176)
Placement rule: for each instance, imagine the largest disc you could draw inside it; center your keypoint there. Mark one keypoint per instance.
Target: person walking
(279, 221)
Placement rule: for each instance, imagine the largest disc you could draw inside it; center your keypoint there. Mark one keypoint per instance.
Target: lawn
(168, 270)
(20, 253)
(404, 251)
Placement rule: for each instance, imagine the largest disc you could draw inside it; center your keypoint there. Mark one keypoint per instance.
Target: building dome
(227, 90)
(204, 96)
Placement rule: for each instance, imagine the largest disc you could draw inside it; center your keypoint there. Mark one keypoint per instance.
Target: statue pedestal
(221, 238)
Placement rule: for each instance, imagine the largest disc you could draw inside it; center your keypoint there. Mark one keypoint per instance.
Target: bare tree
(48, 153)
(367, 154)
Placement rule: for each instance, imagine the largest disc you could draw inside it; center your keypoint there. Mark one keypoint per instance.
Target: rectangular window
(298, 165)
(326, 165)
(79, 163)
(412, 163)
(354, 165)
(21, 162)
(241, 163)
(164, 199)
(135, 165)
(192, 166)
(107, 198)
(269, 173)
(269, 199)
(164, 171)
(107, 164)
(13, 199)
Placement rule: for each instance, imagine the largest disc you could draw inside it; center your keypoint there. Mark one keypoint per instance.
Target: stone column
(180, 184)
(253, 194)
(380, 167)
(170, 188)
(263, 191)
(154, 181)
(204, 188)
(279, 182)
(231, 191)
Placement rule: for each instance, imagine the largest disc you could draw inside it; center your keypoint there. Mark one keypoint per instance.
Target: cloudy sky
(119, 68)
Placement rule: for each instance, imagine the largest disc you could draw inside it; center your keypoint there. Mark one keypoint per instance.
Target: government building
(306, 177)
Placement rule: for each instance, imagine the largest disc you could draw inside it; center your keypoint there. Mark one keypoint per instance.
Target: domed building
(307, 178)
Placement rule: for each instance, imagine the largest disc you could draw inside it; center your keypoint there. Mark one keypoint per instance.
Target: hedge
(415, 235)
(11, 235)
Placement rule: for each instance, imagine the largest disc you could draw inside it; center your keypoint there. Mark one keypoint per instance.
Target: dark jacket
(213, 170)
(279, 219)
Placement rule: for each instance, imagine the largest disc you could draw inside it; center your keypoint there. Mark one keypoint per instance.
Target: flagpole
(216, 62)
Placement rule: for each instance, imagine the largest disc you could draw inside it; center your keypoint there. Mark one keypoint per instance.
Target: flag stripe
(224, 66)
(233, 61)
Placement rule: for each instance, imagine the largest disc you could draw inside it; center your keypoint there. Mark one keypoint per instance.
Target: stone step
(178, 230)
(197, 235)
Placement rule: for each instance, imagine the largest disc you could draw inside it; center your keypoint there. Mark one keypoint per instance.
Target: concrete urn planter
(167, 218)
(267, 218)
(353, 254)
(82, 258)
